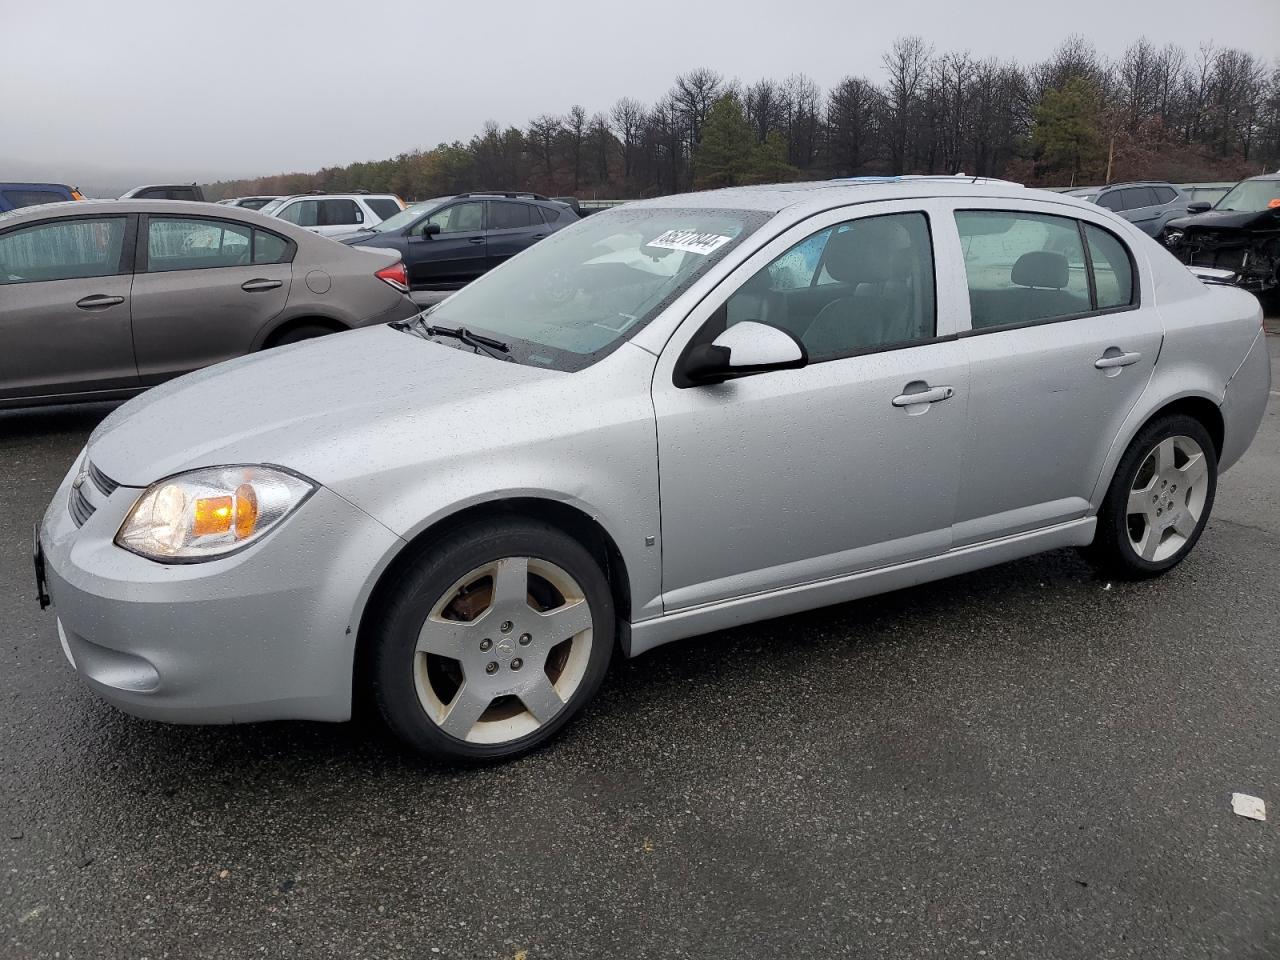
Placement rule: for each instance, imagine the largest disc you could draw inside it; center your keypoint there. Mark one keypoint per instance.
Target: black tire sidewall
(421, 584)
(1113, 539)
(310, 331)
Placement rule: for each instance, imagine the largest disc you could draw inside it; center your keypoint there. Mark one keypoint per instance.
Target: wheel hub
(498, 626)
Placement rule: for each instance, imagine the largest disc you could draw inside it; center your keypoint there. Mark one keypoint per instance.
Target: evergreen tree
(723, 157)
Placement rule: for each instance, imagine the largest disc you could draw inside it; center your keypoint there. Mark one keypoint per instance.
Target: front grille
(80, 507)
(100, 480)
(89, 488)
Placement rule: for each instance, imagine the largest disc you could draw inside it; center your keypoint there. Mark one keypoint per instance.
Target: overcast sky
(248, 87)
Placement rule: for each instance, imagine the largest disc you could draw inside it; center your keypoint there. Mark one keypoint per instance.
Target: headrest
(867, 253)
(1041, 268)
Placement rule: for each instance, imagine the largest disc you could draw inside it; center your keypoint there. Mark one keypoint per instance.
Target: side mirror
(1199, 206)
(745, 348)
(430, 230)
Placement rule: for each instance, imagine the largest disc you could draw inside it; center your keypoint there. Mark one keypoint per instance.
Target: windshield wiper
(477, 341)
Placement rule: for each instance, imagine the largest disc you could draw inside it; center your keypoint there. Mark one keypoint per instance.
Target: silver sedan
(674, 417)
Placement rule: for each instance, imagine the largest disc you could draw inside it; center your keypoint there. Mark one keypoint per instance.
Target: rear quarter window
(384, 207)
(30, 198)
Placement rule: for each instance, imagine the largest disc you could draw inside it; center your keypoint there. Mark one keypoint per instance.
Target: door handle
(475, 240)
(928, 395)
(252, 286)
(1117, 359)
(97, 301)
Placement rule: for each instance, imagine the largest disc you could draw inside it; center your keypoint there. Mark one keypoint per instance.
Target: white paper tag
(689, 242)
(1244, 805)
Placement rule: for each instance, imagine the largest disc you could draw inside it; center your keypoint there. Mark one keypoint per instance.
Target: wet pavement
(1025, 762)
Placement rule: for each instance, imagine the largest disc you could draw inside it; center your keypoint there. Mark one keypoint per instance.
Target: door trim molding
(721, 615)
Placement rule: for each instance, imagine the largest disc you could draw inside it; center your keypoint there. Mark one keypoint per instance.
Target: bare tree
(628, 117)
(907, 63)
(544, 132)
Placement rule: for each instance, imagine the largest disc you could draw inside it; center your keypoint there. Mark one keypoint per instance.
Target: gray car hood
(315, 407)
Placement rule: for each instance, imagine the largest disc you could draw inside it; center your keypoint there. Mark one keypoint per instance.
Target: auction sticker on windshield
(689, 242)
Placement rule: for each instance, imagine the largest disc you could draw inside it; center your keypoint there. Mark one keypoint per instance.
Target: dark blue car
(15, 195)
(449, 241)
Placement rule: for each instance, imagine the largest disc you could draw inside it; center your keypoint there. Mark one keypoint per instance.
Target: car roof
(188, 208)
(335, 196)
(825, 194)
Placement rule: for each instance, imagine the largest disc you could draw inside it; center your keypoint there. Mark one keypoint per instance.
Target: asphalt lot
(1025, 762)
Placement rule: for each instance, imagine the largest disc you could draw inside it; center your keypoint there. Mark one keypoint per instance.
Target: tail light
(396, 275)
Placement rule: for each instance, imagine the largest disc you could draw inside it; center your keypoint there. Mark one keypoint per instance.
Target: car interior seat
(875, 262)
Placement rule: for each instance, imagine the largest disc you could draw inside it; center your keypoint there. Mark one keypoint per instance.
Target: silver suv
(673, 417)
(1147, 205)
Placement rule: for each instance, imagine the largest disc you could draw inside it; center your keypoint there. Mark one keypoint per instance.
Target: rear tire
(492, 640)
(1159, 500)
(306, 331)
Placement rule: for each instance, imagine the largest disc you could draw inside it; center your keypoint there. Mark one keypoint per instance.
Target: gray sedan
(102, 299)
(671, 418)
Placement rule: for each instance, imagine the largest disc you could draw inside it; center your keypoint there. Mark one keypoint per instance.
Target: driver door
(795, 476)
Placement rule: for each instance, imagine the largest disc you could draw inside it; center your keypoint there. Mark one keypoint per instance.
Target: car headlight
(210, 512)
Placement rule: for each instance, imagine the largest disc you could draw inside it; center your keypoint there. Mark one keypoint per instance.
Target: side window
(268, 248)
(1165, 194)
(30, 198)
(304, 213)
(383, 206)
(1112, 200)
(177, 244)
(64, 250)
(1136, 197)
(459, 218)
(548, 214)
(858, 286)
(1022, 267)
(508, 216)
(1112, 268)
(338, 213)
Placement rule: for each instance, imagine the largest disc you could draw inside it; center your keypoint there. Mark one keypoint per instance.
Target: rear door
(1141, 208)
(1060, 345)
(203, 291)
(454, 256)
(65, 307)
(512, 226)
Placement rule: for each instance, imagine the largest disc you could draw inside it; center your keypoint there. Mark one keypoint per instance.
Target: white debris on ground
(1244, 805)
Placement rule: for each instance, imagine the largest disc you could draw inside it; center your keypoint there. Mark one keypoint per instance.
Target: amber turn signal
(212, 515)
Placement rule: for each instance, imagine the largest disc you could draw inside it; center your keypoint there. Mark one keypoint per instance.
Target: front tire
(492, 641)
(1159, 500)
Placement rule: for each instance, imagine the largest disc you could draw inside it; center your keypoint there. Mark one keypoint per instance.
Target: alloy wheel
(1167, 498)
(503, 650)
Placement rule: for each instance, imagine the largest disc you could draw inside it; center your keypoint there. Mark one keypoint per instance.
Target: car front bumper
(263, 634)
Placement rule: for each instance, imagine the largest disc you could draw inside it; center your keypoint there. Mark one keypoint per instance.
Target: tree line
(1075, 118)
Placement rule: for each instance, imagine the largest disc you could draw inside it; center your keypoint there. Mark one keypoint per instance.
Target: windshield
(1251, 196)
(407, 216)
(271, 206)
(571, 298)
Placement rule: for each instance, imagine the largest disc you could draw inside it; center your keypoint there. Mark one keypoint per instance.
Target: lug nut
(506, 626)
(491, 666)
(486, 643)
(525, 639)
(517, 663)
